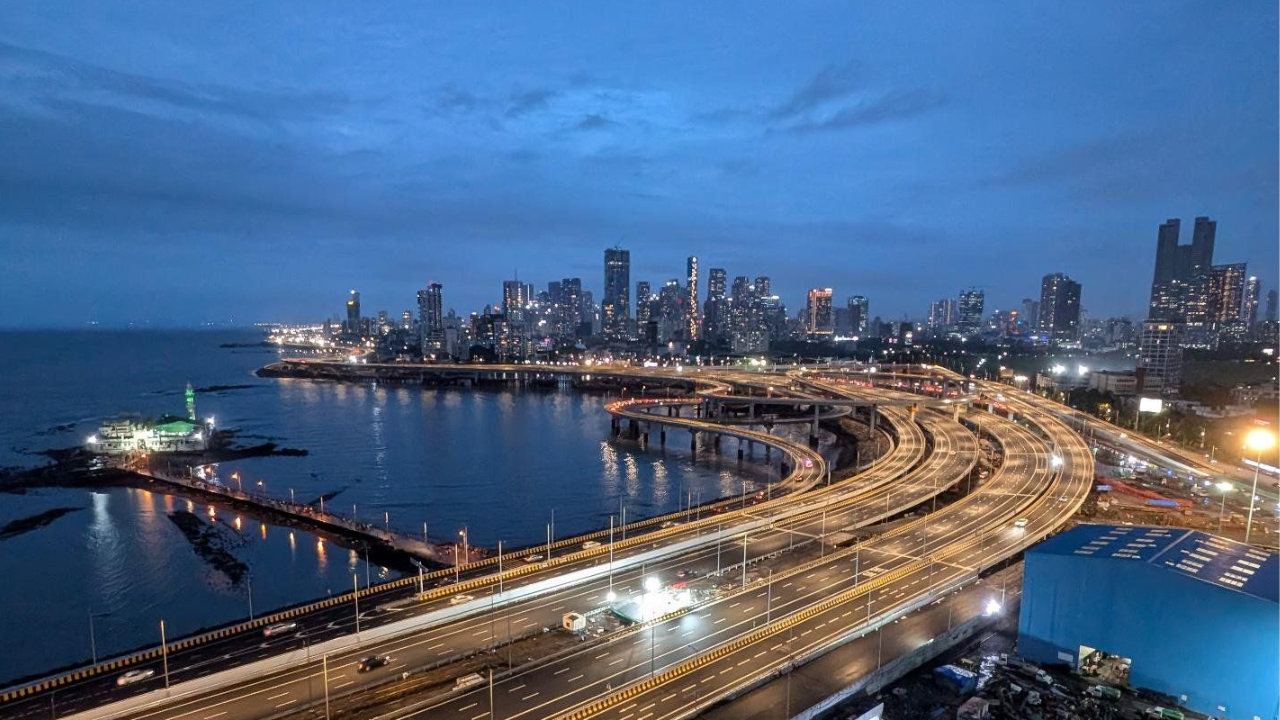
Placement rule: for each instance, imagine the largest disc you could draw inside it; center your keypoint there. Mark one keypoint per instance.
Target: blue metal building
(1198, 615)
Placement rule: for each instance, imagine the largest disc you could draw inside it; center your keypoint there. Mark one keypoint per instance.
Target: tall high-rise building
(764, 287)
(514, 301)
(644, 304)
(1252, 288)
(694, 322)
(715, 312)
(859, 315)
(352, 326)
(1030, 317)
(615, 307)
(571, 305)
(1226, 306)
(942, 315)
(431, 318)
(1271, 306)
(972, 302)
(1059, 308)
(1160, 355)
(820, 320)
(1180, 283)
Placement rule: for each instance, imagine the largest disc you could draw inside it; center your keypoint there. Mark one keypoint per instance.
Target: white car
(134, 676)
(459, 599)
(590, 544)
(1020, 523)
(279, 629)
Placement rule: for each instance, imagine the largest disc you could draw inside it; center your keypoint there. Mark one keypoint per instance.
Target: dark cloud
(523, 103)
(893, 106)
(43, 78)
(594, 121)
(833, 82)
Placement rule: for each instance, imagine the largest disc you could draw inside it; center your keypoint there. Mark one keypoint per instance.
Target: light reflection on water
(494, 461)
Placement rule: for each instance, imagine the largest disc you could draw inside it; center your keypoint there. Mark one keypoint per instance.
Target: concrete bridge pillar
(662, 436)
(715, 443)
(873, 418)
(693, 441)
(615, 427)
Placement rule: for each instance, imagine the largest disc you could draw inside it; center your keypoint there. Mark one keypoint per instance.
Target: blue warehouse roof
(1208, 558)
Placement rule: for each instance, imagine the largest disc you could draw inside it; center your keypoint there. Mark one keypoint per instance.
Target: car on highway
(670, 524)
(808, 462)
(134, 676)
(1020, 523)
(279, 629)
(373, 662)
(590, 544)
(459, 599)
(534, 558)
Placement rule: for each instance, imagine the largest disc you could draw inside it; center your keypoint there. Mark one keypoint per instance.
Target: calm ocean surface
(495, 462)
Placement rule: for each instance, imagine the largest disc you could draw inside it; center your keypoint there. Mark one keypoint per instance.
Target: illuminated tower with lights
(191, 403)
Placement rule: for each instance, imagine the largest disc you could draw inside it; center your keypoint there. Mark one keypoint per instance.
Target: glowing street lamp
(1224, 487)
(1257, 440)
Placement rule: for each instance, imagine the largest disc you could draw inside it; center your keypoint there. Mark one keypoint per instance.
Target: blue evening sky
(174, 162)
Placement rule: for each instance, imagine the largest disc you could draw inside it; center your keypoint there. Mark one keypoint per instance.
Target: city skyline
(190, 168)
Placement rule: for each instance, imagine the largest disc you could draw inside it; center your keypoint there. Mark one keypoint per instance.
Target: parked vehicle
(468, 681)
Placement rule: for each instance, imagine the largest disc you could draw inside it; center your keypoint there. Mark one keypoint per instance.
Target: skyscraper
(1030, 317)
(1180, 284)
(513, 301)
(571, 301)
(616, 304)
(972, 302)
(1252, 288)
(942, 315)
(715, 313)
(1160, 355)
(1271, 306)
(644, 307)
(691, 304)
(1226, 301)
(430, 317)
(1059, 308)
(859, 314)
(820, 320)
(352, 325)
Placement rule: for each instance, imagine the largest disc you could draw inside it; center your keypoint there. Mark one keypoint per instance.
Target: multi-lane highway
(760, 566)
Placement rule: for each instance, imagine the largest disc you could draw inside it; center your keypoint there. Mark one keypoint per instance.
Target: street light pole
(324, 663)
(1224, 487)
(355, 595)
(768, 607)
(164, 654)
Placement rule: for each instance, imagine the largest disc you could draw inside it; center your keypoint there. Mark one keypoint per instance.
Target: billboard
(1150, 405)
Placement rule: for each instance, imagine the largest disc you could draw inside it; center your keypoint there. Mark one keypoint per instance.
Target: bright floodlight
(992, 607)
(652, 585)
(93, 439)
(1056, 460)
(1259, 440)
(1082, 370)
(611, 596)
(1225, 486)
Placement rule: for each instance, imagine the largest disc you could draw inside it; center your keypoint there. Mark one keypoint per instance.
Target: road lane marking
(530, 697)
(277, 696)
(467, 707)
